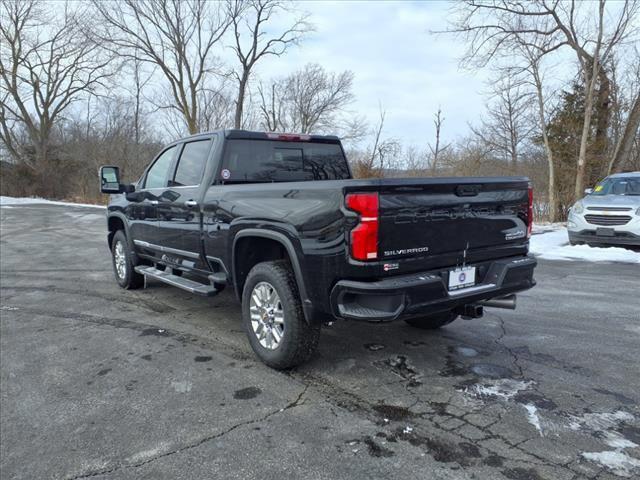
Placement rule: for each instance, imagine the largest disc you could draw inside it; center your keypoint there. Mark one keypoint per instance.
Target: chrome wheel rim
(120, 260)
(267, 315)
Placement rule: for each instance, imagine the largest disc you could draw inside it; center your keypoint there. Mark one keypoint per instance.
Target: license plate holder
(605, 232)
(462, 277)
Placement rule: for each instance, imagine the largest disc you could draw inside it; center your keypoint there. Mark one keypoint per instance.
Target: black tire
(299, 339)
(432, 322)
(130, 279)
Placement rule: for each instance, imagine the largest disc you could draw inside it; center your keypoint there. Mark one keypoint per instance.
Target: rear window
(271, 161)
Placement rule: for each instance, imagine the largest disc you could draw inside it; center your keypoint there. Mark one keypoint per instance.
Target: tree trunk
(603, 111)
(242, 87)
(625, 145)
(551, 187)
(586, 127)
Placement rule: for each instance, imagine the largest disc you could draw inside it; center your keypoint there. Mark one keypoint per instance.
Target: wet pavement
(105, 383)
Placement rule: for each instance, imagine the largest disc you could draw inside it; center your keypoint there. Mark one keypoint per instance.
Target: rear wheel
(273, 318)
(432, 322)
(126, 276)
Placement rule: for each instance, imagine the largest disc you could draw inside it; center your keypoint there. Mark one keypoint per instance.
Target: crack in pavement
(93, 473)
(340, 397)
(499, 340)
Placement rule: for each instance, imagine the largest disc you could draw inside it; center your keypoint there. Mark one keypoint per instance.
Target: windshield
(618, 186)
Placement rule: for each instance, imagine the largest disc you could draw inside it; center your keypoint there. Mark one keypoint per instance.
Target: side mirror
(588, 191)
(110, 179)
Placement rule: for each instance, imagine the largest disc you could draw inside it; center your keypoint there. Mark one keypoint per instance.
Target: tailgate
(431, 217)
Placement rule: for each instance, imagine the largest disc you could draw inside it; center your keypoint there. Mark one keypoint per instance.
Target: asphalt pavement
(100, 382)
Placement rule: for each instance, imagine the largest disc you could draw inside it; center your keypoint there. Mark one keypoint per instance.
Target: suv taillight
(364, 236)
(530, 213)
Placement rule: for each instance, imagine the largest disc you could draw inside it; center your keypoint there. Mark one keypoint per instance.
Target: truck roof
(254, 135)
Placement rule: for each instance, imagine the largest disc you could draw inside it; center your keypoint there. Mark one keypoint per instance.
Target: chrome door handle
(190, 204)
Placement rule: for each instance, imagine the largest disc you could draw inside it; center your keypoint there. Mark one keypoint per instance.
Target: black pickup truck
(278, 218)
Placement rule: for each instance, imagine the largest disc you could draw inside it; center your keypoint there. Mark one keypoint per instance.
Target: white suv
(609, 214)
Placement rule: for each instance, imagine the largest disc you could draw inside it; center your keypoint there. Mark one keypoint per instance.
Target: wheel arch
(115, 222)
(267, 239)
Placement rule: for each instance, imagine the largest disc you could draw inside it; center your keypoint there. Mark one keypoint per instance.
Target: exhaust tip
(508, 302)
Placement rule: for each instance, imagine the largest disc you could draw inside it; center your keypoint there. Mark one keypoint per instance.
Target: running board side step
(176, 281)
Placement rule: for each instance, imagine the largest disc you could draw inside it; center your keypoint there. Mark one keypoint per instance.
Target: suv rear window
(273, 161)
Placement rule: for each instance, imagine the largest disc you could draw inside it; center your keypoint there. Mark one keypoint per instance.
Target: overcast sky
(396, 62)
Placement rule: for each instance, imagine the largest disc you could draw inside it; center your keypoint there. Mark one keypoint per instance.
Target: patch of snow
(554, 245)
(532, 416)
(543, 227)
(504, 388)
(4, 201)
(617, 461)
(603, 424)
(407, 429)
(615, 440)
(599, 422)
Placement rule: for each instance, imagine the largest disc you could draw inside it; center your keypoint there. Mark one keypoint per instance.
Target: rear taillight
(530, 213)
(364, 237)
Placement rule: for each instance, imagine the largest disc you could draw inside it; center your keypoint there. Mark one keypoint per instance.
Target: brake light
(530, 213)
(289, 137)
(364, 237)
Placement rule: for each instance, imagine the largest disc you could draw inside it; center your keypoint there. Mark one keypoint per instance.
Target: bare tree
(317, 96)
(310, 99)
(490, 25)
(176, 36)
(383, 149)
(437, 149)
(507, 124)
(216, 109)
(274, 103)
(46, 64)
(251, 18)
(630, 134)
(533, 67)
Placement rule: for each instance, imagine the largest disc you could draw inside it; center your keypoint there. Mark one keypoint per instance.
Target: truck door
(142, 210)
(179, 211)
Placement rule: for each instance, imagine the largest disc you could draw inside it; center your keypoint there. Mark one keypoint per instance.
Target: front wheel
(432, 322)
(126, 276)
(273, 318)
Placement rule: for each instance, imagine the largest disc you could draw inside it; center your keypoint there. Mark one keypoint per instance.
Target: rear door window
(272, 161)
(158, 174)
(191, 164)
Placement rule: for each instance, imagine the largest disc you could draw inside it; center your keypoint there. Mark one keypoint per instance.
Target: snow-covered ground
(551, 241)
(8, 202)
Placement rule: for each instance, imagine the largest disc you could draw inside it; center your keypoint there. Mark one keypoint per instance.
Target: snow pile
(534, 419)
(8, 201)
(606, 426)
(553, 244)
(504, 388)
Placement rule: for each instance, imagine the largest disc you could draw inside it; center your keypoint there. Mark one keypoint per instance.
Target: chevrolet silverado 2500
(278, 218)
